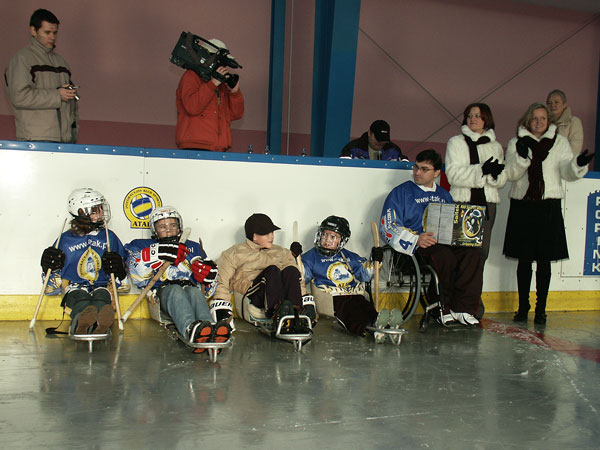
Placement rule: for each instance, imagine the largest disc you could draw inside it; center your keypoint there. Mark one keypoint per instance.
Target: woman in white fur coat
(474, 166)
(537, 161)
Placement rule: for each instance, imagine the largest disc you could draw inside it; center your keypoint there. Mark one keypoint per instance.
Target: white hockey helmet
(164, 212)
(84, 201)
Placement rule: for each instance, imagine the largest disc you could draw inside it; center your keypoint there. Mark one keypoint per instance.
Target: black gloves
(493, 168)
(296, 249)
(377, 254)
(584, 158)
(522, 149)
(52, 258)
(113, 263)
(486, 167)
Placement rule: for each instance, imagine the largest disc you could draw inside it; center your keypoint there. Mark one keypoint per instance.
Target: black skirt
(535, 231)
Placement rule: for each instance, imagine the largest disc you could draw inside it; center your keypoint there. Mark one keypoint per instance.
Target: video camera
(189, 53)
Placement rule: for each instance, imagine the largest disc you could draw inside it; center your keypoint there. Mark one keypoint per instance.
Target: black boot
(523, 285)
(542, 282)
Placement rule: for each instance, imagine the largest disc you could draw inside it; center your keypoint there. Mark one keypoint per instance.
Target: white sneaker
(446, 319)
(464, 318)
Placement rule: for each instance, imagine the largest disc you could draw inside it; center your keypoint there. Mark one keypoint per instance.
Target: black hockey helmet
(338, 225)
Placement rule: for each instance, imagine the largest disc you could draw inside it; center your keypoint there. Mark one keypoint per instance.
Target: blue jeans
(185, 305)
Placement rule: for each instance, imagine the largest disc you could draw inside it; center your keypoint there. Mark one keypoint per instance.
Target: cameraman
(205, 109)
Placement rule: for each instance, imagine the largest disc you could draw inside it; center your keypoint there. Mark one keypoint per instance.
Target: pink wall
(459, 50)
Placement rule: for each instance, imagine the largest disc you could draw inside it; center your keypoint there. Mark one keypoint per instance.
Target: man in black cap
(374, 144)
(265, 273)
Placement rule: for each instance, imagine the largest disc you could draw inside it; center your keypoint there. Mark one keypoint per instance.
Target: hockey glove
(486, 167)
(221, 310)
(52, 258)
(174, 253)
(584, 158)
(204, 271)
(296, 249)
(377, 254)
(112, 263)
(522, 149)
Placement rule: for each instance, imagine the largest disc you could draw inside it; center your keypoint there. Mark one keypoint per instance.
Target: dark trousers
(272, 286)
(354, 312)
(79, 299)
(460, 273)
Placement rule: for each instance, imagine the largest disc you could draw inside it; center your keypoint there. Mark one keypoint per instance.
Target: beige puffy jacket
(240, 265)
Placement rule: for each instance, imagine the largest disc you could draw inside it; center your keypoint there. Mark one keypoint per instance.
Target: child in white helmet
(81, 265)
(185, 284)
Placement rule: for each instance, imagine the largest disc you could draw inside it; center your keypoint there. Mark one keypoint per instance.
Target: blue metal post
(597, 143)
(336, 38)
(276, 63)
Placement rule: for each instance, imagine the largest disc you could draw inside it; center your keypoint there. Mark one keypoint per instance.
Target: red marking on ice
(543, 340)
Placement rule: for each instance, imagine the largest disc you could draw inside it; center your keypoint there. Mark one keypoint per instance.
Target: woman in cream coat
(474, 166)
(537, 161)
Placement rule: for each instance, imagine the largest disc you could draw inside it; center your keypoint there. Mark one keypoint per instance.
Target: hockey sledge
(90, 338)
(156, 313)
(256, 317)
(394, 335)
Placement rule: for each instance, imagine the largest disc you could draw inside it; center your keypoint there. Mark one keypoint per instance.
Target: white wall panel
(216, 196)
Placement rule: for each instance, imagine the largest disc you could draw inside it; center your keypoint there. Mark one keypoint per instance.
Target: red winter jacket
(205, 112)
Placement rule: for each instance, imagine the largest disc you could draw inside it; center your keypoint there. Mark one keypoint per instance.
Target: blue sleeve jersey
(401, 220)
(340, 274)
(83, 262)
(141, 273)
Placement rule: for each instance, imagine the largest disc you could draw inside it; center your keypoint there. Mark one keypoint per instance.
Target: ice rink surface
(498, 386)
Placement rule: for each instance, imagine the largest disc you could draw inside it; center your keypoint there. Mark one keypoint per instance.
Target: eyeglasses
(416, 168)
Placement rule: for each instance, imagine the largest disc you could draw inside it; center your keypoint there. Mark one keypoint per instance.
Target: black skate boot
(285, 308)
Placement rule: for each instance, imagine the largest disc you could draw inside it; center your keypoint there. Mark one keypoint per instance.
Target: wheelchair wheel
(400, 278)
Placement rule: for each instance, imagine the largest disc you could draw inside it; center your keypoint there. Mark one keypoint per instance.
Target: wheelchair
(405, 281)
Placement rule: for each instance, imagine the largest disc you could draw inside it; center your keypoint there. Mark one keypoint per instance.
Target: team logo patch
(138, 204)
(89, 264)
(339, 274)
(472, 222)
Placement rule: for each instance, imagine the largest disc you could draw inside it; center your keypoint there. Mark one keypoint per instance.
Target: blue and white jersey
(340, 274)
(83, 262)
(401, 220)
(141, 273)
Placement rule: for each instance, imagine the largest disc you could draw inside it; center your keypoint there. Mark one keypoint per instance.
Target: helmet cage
(165, 212)
(338, 225)
(84, 202)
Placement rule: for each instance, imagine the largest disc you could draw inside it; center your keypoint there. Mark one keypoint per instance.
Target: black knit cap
(260, 224)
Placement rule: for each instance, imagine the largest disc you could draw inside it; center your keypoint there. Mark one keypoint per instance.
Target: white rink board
(215, 197)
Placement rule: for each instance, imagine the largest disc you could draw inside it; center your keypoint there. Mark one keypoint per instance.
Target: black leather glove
(296, 249)
(232, 80)
(52, 258)
(496, 169)
(486, 167)
(113, 263)
(377, 254)
(584, 158)
(522, 149)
